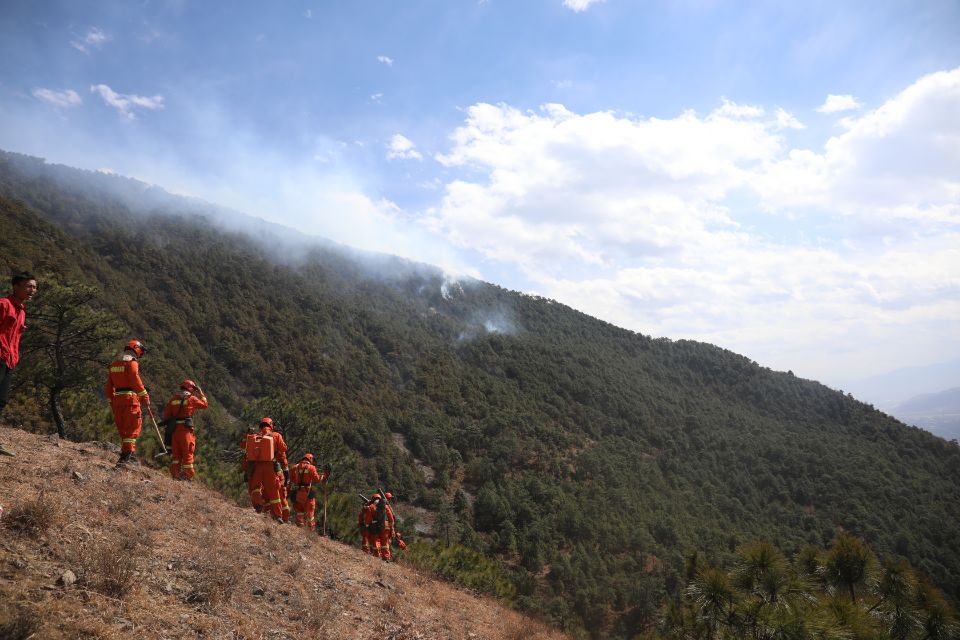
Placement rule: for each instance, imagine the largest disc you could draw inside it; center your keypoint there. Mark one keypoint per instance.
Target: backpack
(379, 521)
(259, 447)
(169, 426)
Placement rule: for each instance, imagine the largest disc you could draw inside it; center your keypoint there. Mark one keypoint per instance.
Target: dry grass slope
(88, 551)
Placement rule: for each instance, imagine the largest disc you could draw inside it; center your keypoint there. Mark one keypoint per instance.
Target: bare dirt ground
(90, 551)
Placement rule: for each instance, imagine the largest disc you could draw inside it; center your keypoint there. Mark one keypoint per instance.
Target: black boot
(124, 458)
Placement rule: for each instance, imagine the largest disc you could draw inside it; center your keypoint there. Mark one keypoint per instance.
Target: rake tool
(159, 435)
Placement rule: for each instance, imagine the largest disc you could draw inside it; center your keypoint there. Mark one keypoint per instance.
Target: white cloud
(733, 110)
(94, 38)
(66, 98)
(125, 103)
(401, 148)
(835, 104)
(899, 161)
(579, 5)
(786, 120)
(387, 60)
(376, 98)
(308, 14)
(711, 227)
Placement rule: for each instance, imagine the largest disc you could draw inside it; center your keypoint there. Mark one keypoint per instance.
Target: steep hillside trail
(90, 551)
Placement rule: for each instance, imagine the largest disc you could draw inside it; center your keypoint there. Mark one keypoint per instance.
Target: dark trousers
(6, 374)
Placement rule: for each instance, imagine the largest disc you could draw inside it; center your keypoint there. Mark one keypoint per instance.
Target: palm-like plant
(847, 564)
(896, 591)
(713, 598)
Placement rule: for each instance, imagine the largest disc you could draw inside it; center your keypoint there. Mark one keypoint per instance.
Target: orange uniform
(382, 541)
(262, 474)
(303, 476)
(181, 407)
(256, 498)
(282, 490)
(364, 520)
(126, 393)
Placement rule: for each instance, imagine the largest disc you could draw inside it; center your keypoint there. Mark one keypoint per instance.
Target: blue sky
(778, 178)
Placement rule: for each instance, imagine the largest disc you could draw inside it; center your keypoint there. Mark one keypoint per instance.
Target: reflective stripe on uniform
(128, 440)
(124, 393)
(274, 501)
(117, 369)
(173, 462)
(142, 393)
(187, 466)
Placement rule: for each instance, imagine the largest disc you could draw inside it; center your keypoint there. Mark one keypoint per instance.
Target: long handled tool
(159, 435)
(325, 494)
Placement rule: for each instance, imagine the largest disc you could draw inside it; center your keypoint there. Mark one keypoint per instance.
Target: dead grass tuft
(396, 631)
(20, 624)
(33, 516)
(390, 602)
(292, 567)
(110, 566)
(124, 499)
(216, 575)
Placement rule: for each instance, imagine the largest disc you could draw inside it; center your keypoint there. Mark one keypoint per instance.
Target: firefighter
(256, 498)
(388, 525)
(283, 481)
(303, 476)
(127, 396)
(266, 456)
(366, 522)
(180, 409)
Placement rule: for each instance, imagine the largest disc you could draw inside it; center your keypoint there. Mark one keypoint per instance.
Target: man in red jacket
(127, 394)
(180, 408)
(13, 319)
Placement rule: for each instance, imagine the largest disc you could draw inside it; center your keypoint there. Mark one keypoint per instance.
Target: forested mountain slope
(588, 460)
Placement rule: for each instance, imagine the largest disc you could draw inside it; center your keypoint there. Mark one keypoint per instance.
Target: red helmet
(308, 456)
(266, 422)
(389, 495)
(375, 496)
(137, 347)
(188, 385)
